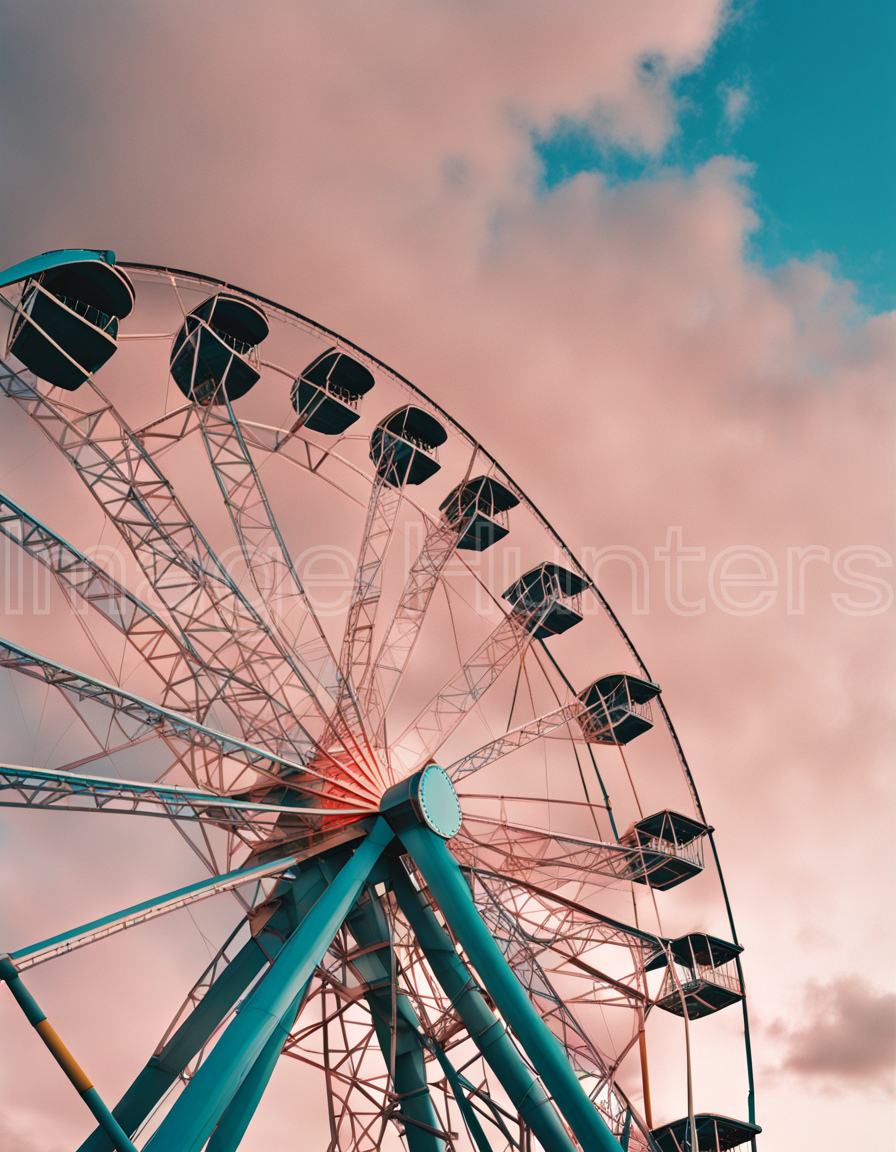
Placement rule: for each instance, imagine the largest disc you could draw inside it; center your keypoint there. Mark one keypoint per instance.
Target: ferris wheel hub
(428, 797)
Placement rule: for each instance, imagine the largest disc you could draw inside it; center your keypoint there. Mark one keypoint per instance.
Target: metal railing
(92, 315)
(412, 441)
(725, 976)
(337, 392)
(241, 347)
(547, 590)
(606, 714)
(692, 852)
(458, 512)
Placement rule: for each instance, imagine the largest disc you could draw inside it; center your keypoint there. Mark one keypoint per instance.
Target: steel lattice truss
(244, 681)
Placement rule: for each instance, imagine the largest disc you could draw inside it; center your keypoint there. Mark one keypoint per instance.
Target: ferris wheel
(324, 635)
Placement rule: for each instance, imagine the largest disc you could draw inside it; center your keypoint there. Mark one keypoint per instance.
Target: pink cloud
(614, 347)
(847, 1035)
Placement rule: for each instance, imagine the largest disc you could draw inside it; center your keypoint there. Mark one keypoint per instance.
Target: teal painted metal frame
(220, 1100)
(137, 913)
(233, 1123)
(484, 1028)
(196, 1113)
(474, 1127)
(118, 1138)
(396, 1025)
(446, 882)
(46, 260)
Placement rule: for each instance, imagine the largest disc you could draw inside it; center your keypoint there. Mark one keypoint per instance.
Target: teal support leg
(233, 1124)
(486, 1031)
(195, 1114)
(627, 1130)
(421, 811)
(368, 924)
(163, 1068)
(38, 1020)
(477, 1134)
(416, 1108)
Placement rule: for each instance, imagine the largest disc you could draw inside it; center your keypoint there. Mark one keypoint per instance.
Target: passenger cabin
(404, 445)
(328, 392)
(668, 849)
(215, 353)
(478, 510)
(617, 708)
(703, 975)
(65, 327)
(714, 1134)
(547, 600)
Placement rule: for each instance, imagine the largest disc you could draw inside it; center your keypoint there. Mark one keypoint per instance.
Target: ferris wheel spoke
(169, 429)
(516, 738)
(379, 526)
(552, 916)
(385, 674)
(23, 787)
(205, 753)
(561, 933)
(261, 542)
(525, 851)
(435, 723)
(274, 576)
(84, 582)
(302, 454)
(182, 569)
(115, 922)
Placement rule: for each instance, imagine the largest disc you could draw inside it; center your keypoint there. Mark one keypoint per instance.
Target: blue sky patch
(806, 92)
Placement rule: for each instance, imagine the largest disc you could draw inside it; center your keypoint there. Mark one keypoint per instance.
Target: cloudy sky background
(644, 251)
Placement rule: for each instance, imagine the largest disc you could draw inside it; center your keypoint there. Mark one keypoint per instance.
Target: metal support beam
(370, 927)
(434, 724)
(134, 716)
(138, 913)
(84, 582)
(63, 1057)
(239, 1112)
(164, 1067)
(467, 1111)
(23, 787)
(409, 1072)
(175, 1052)
(197, 1111)
(516, 738)
(485, 1030)
(446, 882)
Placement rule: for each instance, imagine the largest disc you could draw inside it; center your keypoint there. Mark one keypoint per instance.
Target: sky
(810, 104)
(644, 250)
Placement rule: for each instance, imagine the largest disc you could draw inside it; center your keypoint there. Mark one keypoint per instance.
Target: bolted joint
(426, 798)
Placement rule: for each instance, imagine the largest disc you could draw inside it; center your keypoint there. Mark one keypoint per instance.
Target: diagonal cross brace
(198, 1110)
(419, 810)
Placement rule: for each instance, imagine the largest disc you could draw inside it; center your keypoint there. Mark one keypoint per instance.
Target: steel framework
(457, 966)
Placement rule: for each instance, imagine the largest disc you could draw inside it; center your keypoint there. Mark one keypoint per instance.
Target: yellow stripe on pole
(64, 1058)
